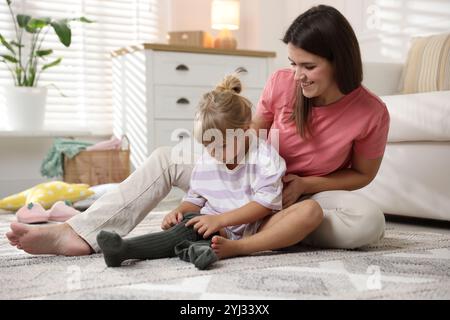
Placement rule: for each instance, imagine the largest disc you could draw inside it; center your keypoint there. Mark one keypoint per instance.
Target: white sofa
(414, 178)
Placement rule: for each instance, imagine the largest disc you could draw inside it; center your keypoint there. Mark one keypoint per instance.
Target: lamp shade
(225, 14)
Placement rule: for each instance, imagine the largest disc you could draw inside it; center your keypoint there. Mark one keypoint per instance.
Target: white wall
(261, 27)
(20, 163)
(164, 23)
(389, 26)
(384, 27)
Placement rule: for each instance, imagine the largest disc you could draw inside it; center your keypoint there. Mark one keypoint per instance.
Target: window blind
(85, 73)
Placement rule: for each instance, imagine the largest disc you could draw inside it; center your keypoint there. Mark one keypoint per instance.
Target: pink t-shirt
(358, 122)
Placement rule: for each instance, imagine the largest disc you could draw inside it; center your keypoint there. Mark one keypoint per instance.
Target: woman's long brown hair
(324, 31)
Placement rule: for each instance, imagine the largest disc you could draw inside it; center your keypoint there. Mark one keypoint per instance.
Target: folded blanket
(111, 144)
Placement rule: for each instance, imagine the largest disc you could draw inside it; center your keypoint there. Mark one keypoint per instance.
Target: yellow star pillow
(47, 194)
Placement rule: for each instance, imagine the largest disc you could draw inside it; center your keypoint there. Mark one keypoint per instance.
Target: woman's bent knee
(376, 224)
(161, 153)
(366, 230)
(349, 227)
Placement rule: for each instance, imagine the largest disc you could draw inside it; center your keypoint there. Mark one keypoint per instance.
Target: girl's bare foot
(59, 239)
(225, 248)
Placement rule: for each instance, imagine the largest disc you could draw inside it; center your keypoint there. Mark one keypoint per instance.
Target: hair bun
(230, 83)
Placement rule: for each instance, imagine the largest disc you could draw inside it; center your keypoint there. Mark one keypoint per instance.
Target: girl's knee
(309, 210)
(315, 212)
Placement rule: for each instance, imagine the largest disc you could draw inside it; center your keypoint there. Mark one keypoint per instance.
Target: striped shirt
(218, 189)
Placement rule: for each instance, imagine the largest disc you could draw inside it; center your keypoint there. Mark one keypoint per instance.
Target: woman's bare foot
(59, 239)
(13, 239)
(225, 248)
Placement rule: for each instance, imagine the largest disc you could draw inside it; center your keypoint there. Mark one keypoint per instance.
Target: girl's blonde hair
(223, 108)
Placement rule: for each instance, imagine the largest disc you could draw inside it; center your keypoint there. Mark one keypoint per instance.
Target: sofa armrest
(413, 180)
(382, 78)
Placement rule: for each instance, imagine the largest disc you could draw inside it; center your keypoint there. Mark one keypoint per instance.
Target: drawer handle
(183, 101)
(179, 134)
(182, 67)
(241, 70)
(183, 135)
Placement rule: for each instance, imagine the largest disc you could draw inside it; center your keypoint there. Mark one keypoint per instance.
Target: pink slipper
(32, 213)
(111, 144)
(61, 212)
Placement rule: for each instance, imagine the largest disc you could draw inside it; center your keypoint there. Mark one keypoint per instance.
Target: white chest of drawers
(157, 89)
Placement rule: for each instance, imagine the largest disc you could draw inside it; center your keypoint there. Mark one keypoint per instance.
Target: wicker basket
(98, 167)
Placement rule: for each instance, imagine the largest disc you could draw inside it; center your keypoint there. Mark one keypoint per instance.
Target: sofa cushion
(419, 117)
(413, 180)
(47, 194)
(428, 65)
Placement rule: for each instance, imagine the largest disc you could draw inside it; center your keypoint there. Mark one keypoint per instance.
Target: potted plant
(26, 59)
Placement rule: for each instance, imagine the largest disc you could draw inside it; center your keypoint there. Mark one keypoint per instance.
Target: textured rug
(405, 265)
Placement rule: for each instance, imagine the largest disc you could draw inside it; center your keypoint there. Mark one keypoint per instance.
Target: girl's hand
(171, 219)
(205, 225)
(294, 187)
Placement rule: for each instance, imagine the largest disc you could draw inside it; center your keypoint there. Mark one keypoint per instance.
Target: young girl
(235, 184)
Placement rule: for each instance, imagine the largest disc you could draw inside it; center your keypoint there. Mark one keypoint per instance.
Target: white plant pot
(25, 107)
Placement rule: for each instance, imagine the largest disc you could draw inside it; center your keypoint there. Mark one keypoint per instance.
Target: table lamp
(225, 17)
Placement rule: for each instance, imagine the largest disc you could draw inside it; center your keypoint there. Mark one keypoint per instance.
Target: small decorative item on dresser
(97, 167)
(199, 39)
(225, 17)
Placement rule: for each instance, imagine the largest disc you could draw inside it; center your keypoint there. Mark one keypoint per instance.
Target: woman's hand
(205, 225)
(171, 219)
(294, 187)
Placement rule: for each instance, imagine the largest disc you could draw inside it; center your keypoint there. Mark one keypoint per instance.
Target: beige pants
(350, 221)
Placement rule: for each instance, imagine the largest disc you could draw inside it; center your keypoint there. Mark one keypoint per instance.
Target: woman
(333, 134)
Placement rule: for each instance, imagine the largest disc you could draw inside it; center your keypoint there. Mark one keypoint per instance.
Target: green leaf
(52, 64)
(83, 19)
(60, 92)
(42, 53)
(23, 20)
(38, 23)
(18, 72)
(30, 30)
(63, 31)
(8, 2)
(6, 44)
(32, 76)
(9, 58)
